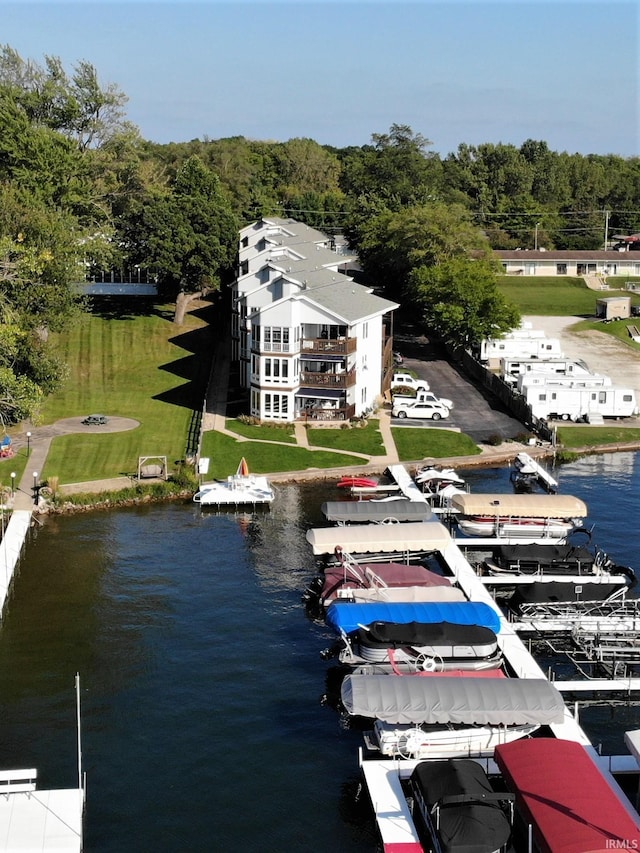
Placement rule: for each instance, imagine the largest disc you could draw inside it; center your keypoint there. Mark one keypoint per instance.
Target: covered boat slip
(385, 511)
(439, 645)
(415, 537)
(443, 701)
(460, 809)
(563, 795)
(533, 598)
(519, 506)
(540, 559)
(345, 617)
(385, 582)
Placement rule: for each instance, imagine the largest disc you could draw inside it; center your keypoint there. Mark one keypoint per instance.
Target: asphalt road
(474, 412)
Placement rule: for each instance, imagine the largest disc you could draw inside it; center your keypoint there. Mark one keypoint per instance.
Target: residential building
(560, 262)
(310, 342)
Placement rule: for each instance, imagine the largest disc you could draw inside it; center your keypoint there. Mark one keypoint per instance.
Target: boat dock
(15, 535)
(32, 819)
(383, 777)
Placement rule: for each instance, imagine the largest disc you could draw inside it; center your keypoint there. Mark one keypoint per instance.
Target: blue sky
(336, 71)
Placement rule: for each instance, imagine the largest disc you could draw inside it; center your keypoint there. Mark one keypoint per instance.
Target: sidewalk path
(38, 447)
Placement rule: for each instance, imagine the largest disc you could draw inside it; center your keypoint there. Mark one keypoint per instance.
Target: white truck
(420, 386)
(554, 402)
(406, 380)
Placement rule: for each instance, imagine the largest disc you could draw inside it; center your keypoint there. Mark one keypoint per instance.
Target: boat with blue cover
(348, 616)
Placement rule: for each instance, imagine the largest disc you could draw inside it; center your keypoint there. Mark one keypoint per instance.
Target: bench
(17, 781)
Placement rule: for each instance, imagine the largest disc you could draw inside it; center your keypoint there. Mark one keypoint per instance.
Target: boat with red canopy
(563, 796)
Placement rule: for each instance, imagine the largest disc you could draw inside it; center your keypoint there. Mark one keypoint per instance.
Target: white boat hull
(407, 741)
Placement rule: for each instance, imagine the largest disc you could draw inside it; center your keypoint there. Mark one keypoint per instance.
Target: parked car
(433, 411)
(95, 420)
(421, 397)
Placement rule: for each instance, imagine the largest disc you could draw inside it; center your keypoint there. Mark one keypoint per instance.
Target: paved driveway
(474, 412)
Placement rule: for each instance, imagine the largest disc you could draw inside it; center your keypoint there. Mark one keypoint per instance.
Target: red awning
(561, 792)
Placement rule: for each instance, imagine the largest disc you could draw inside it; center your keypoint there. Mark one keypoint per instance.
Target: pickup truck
(421, 397)
(406, 380)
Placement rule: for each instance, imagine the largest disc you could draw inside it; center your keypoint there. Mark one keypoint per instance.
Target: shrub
(495, 439)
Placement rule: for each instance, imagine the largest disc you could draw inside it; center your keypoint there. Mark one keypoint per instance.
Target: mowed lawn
(557, 297)
(138, 366)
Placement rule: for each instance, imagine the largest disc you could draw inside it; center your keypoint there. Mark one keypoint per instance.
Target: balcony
(328, 380)
(335, 346)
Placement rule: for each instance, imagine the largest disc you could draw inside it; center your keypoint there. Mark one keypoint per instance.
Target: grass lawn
(557, 297)
(264, 432)
(225, 454)
(414, 443)
(366, 439)
(593, 436)
(617, 329)
(139, 366)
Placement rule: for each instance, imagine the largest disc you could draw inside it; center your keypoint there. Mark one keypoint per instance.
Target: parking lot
(474, 412)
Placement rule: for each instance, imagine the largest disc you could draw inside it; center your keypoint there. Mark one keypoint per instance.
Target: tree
(188, 234)
(391, 244)
(78, 107)
(460, 302)
(396, 169)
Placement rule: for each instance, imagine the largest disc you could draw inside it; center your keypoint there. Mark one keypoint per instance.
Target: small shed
(613, 308)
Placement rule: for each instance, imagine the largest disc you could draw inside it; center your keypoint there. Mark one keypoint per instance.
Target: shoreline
(490, 457)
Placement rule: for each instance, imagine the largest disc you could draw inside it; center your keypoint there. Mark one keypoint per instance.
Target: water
(201, 679)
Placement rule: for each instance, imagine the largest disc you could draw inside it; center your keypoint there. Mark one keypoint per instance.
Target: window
(244, 267)
(561, 269)
(627, 398)
(276, 405)
(276, 369)
(245, 242)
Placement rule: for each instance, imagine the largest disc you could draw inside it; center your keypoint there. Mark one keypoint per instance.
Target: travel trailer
(515, 366)
(555, 402)
(493, 349)
(584, 380)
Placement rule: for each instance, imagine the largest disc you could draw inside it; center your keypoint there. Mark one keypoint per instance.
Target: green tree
(78, 106)
(188, 234)
(460, 302)
(397, 169)
(391, 244)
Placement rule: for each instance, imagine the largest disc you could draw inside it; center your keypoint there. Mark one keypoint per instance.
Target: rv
(555, 402)
(585, 380)
(493, 349)
(514, 366)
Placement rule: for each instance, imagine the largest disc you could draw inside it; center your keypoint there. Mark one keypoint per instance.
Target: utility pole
(606, 229)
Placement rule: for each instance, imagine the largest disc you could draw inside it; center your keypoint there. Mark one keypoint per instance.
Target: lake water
(201, 679)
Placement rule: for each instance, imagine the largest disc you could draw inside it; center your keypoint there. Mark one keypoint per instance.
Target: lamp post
(28, 444)
(13, 483)
(35, 488)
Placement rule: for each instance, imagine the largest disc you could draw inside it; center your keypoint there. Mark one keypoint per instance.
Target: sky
(455, 71)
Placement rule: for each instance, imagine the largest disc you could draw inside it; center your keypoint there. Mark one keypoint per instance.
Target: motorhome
(555, 402)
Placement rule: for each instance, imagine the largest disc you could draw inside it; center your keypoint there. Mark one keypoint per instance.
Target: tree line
(82, 191)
